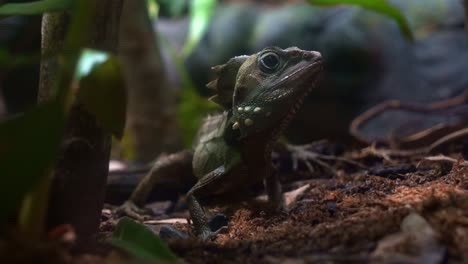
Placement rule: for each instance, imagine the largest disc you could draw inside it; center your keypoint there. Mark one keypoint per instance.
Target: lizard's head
(266, 89)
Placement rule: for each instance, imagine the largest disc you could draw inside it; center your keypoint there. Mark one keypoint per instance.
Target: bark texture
(465, 2)
(80, 174)
(151, 111)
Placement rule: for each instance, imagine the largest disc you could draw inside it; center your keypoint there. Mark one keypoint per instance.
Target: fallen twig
(432, 137)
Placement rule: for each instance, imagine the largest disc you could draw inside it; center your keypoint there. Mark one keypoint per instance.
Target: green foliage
(201, 12)
(172, 8)
(102, 90)
(28, 147)
(141, 242)
(35, 7)
(379, 6)
(153, 8)
(88, 60)
(29, 142)
(192, 109)
(40, 130)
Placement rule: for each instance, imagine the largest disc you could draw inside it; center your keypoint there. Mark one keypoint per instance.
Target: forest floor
(402, 210)
(395, 211)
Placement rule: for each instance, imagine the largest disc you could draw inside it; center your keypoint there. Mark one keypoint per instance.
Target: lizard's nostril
(312, 55)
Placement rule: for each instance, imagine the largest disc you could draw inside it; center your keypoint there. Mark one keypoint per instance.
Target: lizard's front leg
(165, 166)
(273, 190)
(199, 219)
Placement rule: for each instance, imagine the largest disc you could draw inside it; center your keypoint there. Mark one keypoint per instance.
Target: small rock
(332, 208)
(415, 243)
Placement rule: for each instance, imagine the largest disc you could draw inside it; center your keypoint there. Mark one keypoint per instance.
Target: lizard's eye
(269, 62)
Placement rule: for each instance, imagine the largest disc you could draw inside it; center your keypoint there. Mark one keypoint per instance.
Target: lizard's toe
(208, 235)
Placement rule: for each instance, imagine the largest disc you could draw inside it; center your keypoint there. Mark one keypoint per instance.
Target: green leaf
(200, 15)
(191, 111)
(379, 6)
(173, 8)
(28, 148)
(44, 126)
(141, 242)
(88, 60)
(102, 91)
(35, 8)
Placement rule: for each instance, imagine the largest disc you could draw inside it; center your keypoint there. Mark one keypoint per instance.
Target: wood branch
(465, 2)
(449, 107)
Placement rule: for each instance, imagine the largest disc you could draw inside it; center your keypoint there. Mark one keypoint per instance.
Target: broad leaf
(200, 15)
(102, 90)
(28, 148)
(380, 6)
(35, 7)
(141, 242)
(88, 60)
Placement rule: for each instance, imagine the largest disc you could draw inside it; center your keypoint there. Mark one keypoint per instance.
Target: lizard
(259, 95)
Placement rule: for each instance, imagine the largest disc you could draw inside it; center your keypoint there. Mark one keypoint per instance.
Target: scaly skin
(260, 95)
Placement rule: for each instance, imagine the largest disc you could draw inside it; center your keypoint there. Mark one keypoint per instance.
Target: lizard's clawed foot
(132, 210)
(305, 155)
(207, 234)
(218, 223)
(170, 233)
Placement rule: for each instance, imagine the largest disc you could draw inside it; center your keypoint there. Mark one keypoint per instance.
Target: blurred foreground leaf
(102, 90)
(88, 60)
(200, 15)
(141, 242)
(379, 6)
(28, 147)
(35, 7)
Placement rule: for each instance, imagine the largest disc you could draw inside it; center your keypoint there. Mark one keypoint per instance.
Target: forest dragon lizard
(260, 95)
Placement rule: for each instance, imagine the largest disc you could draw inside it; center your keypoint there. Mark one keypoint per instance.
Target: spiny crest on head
(225, 82)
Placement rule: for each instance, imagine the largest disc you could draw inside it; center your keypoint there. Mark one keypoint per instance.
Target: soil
(398, 211)
(352, 218)
(401, 210)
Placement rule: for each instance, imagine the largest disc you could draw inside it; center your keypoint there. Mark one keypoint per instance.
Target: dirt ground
(420, 216)
(397, 211)
(402, 210)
